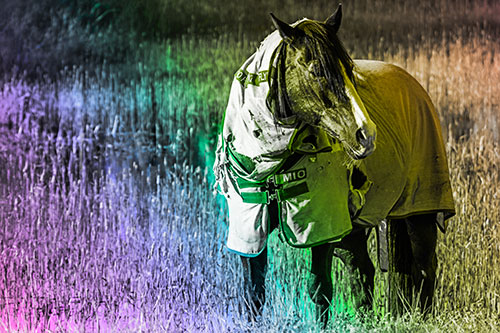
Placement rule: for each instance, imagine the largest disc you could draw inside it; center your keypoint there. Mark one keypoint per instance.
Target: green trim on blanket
(249, 255)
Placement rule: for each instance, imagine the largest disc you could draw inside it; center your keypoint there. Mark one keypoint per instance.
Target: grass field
(108, 218)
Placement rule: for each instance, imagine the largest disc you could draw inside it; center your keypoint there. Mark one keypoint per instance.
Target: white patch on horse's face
(363, 121)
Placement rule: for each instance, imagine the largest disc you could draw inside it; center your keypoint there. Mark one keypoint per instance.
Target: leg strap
(383, 246)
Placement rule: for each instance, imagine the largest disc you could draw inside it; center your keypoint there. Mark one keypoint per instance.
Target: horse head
(319, 85)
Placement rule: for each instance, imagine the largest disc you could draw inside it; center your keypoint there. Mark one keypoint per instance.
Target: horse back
(409, 167)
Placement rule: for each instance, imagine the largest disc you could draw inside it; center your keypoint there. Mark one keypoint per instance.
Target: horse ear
(334, 21)
(287, 32)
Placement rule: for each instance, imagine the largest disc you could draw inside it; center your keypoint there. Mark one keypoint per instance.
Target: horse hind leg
(414, 262)
(422, 232)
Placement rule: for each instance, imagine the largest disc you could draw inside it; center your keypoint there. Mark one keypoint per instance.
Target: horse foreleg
(353, 251)
(254, 275)
(320, 283)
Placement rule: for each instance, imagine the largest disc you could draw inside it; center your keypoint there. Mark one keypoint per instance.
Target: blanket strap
(265, 197)
(272, 188)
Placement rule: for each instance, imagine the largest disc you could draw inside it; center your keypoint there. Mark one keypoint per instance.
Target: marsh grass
(109, 222)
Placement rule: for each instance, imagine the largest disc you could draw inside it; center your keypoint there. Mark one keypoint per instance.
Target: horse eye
(314, 67)
(307, 56)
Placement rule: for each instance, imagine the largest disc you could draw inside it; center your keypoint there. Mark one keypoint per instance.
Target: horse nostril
(361, 136)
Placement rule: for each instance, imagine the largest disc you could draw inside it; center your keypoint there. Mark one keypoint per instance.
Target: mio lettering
(293, 175)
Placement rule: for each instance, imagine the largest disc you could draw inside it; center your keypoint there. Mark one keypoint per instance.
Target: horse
(315, 123)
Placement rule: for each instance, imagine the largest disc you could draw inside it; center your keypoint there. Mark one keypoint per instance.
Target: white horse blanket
(313, 197)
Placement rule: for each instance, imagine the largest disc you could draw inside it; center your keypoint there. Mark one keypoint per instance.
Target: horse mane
(317, 39)
(333, 62)
(277, 100)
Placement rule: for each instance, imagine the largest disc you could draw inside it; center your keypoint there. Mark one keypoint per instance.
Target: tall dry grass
(462, 81)
(108, 225)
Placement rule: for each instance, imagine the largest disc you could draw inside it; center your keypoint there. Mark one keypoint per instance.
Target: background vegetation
(108, 116)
